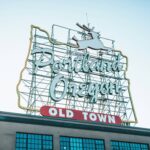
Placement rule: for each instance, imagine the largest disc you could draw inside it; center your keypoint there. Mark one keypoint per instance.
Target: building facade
(29, 132)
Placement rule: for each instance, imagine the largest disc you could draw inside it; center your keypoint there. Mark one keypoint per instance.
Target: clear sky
(125, 21)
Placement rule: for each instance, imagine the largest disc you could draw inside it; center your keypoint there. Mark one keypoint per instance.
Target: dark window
(28, 141)
(117, 145)
(73, 143)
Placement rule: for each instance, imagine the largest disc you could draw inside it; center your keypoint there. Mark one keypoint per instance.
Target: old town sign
(76, 75)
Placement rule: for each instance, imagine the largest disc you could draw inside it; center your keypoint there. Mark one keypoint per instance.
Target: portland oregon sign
(75, 74)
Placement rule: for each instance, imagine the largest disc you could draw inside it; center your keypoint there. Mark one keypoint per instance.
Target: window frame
(27, 139)
(82, 141)
(130, 145)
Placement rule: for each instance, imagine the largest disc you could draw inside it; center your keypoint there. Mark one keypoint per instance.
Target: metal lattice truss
(34, 86)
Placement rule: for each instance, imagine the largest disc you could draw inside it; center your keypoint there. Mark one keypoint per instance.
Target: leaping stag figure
(94, 42)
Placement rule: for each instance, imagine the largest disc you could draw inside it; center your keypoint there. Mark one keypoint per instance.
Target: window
(116, 145)
(27, 141)
(73, 143)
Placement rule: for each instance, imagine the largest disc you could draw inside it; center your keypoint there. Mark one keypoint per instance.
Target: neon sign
(80, 74)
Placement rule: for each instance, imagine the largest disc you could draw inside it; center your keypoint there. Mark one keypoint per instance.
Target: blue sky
(127, 22)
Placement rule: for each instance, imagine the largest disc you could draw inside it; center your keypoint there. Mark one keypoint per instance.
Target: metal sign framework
(33, 88)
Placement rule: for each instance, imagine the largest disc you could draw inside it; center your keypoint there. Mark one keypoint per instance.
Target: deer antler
(79, 25)
(83, 27)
